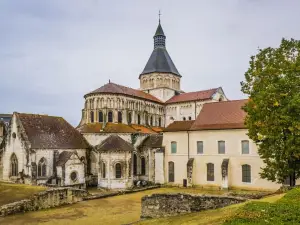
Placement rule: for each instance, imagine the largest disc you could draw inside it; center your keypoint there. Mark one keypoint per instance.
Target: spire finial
(159, 14)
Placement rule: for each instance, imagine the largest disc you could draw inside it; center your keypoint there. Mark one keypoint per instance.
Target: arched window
(42, 168)
(210, 172)
(146, 119)
(14, 165)
(119, 117)
(183, 118)
(92, 116)
(246, 173)
(139, 119)
(190, 118)
(103, 170)
(171, 172)
(93, 159)
(110, 117)
(143, 166)
(159, 122)
(151, 121)
(118, 170)
(134, 165)
(129, 118)
(100, 119)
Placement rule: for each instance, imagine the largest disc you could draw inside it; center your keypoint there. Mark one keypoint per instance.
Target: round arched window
(14, 135)
(73, 176)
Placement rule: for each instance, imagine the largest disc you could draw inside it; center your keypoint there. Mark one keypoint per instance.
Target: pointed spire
(159, 36)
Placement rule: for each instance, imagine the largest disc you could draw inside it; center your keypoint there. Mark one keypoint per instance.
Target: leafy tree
(273, 110)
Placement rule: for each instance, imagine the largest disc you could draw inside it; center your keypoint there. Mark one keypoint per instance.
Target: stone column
(149, 165)
(109, 170)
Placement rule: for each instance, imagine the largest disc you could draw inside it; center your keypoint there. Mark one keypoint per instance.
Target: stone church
(157, 133)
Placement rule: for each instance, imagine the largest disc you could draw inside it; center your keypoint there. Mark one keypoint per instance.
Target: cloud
(52, 52)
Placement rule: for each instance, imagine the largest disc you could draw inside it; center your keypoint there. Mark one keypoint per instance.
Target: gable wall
(14, 145)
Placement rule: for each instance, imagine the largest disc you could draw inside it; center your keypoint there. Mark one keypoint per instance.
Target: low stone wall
(162, 205)
(44, 200)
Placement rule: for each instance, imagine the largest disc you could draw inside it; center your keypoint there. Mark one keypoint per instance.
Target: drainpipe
(188, 134)
(195, 111)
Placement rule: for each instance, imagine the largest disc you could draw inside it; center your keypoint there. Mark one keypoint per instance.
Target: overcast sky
(52, 52)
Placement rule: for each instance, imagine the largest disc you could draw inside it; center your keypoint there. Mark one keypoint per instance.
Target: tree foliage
(272, 83)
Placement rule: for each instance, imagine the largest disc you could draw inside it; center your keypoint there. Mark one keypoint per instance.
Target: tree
(272, 83)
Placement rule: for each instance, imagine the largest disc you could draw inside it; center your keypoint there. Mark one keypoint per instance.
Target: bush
(284, 211)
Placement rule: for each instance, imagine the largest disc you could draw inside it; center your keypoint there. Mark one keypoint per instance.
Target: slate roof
(193, 96)
(153, 141)
(160, 61)
(179, 126)
(159, 31)
(112, 88)
(64, 157)
(50, 132)
(221, 115)
(115, 128)
(114, 143)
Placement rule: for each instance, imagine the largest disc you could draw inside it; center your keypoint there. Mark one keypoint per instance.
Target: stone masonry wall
(163, 205)
(44, 200)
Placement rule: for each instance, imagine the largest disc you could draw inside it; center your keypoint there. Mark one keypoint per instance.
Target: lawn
(284, 211)
(15, 192)
(121, 209)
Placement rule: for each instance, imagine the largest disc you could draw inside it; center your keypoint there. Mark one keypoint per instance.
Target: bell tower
(160, 76)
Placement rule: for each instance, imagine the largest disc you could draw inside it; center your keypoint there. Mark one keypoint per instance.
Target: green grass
(14, 192)
(284, 211)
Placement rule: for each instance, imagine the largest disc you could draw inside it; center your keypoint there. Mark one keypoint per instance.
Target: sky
(52, 52)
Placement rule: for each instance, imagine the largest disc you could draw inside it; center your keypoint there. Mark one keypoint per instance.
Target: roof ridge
(36, 114)
(200, 90)
(236, 100)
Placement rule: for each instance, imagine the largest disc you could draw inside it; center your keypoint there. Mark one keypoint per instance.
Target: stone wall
(163, 205)
(44, 200)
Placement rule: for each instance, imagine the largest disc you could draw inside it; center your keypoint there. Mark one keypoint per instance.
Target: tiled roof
(221, 115)
(49, 132)
(153, 141)
(157, 129)
(193, 96)
(142, 129)
(114, 143)
(112, 88)
(109, 128)
(179, 126)
(115, 128)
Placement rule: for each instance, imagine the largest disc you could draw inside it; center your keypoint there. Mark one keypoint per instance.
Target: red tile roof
(179, 126)
(115, 128)
(51, 132)
(112, 88)
(221, 115)
(142, 129)
(193, 96)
